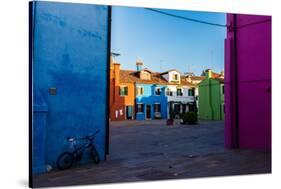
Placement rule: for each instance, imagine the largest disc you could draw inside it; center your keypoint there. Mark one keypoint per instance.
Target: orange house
(122, 94)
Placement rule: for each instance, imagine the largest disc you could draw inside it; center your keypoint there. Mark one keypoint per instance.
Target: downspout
(211, 104)
(108, 84)
(210, 98)
(236, 79)
(31, 28)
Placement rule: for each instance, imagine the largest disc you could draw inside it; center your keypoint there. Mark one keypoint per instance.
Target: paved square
(150, 150)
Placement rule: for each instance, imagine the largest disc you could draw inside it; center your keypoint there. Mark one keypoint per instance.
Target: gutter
(235, 80)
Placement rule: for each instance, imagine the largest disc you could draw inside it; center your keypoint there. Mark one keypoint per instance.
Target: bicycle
(66, 159)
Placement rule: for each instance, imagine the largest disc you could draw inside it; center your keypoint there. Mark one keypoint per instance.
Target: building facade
(211, 97)
(142, 94)
(181, 94)
(151, 102)
(122, 94)
(248, 81)
(69, 66)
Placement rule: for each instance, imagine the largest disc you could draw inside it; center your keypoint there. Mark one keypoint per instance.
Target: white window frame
(156, 90)
(191, 89)
(166, 90)
(140, 87)
(181, 91)
(175, 75)
(124, 87)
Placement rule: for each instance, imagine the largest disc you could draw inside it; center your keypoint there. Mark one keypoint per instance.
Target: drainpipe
(107, 133)
(209, 76)
(235, 79)
(211, 104)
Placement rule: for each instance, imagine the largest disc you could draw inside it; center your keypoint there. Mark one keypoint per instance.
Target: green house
(211, 97)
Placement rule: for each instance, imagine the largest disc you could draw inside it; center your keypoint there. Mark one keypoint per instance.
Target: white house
(180, 93)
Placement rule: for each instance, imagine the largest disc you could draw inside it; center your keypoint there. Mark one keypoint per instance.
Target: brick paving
(150, 150)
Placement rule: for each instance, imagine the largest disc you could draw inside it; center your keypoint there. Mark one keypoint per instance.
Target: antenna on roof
(161, 61)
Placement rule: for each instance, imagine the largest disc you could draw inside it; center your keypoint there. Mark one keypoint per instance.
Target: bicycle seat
(71, 139)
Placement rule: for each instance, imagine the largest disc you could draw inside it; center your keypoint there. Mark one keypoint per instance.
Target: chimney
(116, 73)
(222, 74)
(209, 73)
(139, 65)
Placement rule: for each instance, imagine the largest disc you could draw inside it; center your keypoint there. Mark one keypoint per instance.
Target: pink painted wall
(253, 50)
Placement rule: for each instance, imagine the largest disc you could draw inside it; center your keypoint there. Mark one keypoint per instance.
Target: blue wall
(149, 97)
(70, 54)
(40, 110)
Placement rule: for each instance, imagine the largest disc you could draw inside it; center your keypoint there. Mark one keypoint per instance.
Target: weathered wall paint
(210, 100)
(253, 47)
(149, 97)
(71, 55)
(40, 110)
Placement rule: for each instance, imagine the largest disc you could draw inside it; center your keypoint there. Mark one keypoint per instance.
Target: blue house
(151, 102)
(69, 62)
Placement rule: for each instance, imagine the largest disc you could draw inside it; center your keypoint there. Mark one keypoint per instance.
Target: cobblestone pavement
(150, 150)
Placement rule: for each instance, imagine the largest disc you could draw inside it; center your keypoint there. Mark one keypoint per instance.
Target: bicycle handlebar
(89, 137)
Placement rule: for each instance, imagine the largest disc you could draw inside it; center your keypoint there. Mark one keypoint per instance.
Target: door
(148, 111)
(129, 112)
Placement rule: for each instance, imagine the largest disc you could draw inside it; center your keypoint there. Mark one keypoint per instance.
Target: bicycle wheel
(65, 160)
(95, 155)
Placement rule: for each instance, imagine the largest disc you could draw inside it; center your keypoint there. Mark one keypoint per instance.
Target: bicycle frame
(78, 151)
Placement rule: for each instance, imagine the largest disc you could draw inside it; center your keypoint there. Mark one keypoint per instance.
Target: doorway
(148, 111)
(129, 112)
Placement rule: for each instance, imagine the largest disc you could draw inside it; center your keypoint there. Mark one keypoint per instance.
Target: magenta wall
(253, 92)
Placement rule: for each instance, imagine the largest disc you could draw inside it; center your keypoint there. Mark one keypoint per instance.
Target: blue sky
(163, 42)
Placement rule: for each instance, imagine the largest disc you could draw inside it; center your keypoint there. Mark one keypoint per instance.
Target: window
(123, 91)
(222, 89)
(157, 91)
(145, 75)
(179, 92)
(139, 108)
(139, 91)
(157, 107)
(191, 92)
(175, 77)
(169, 92)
